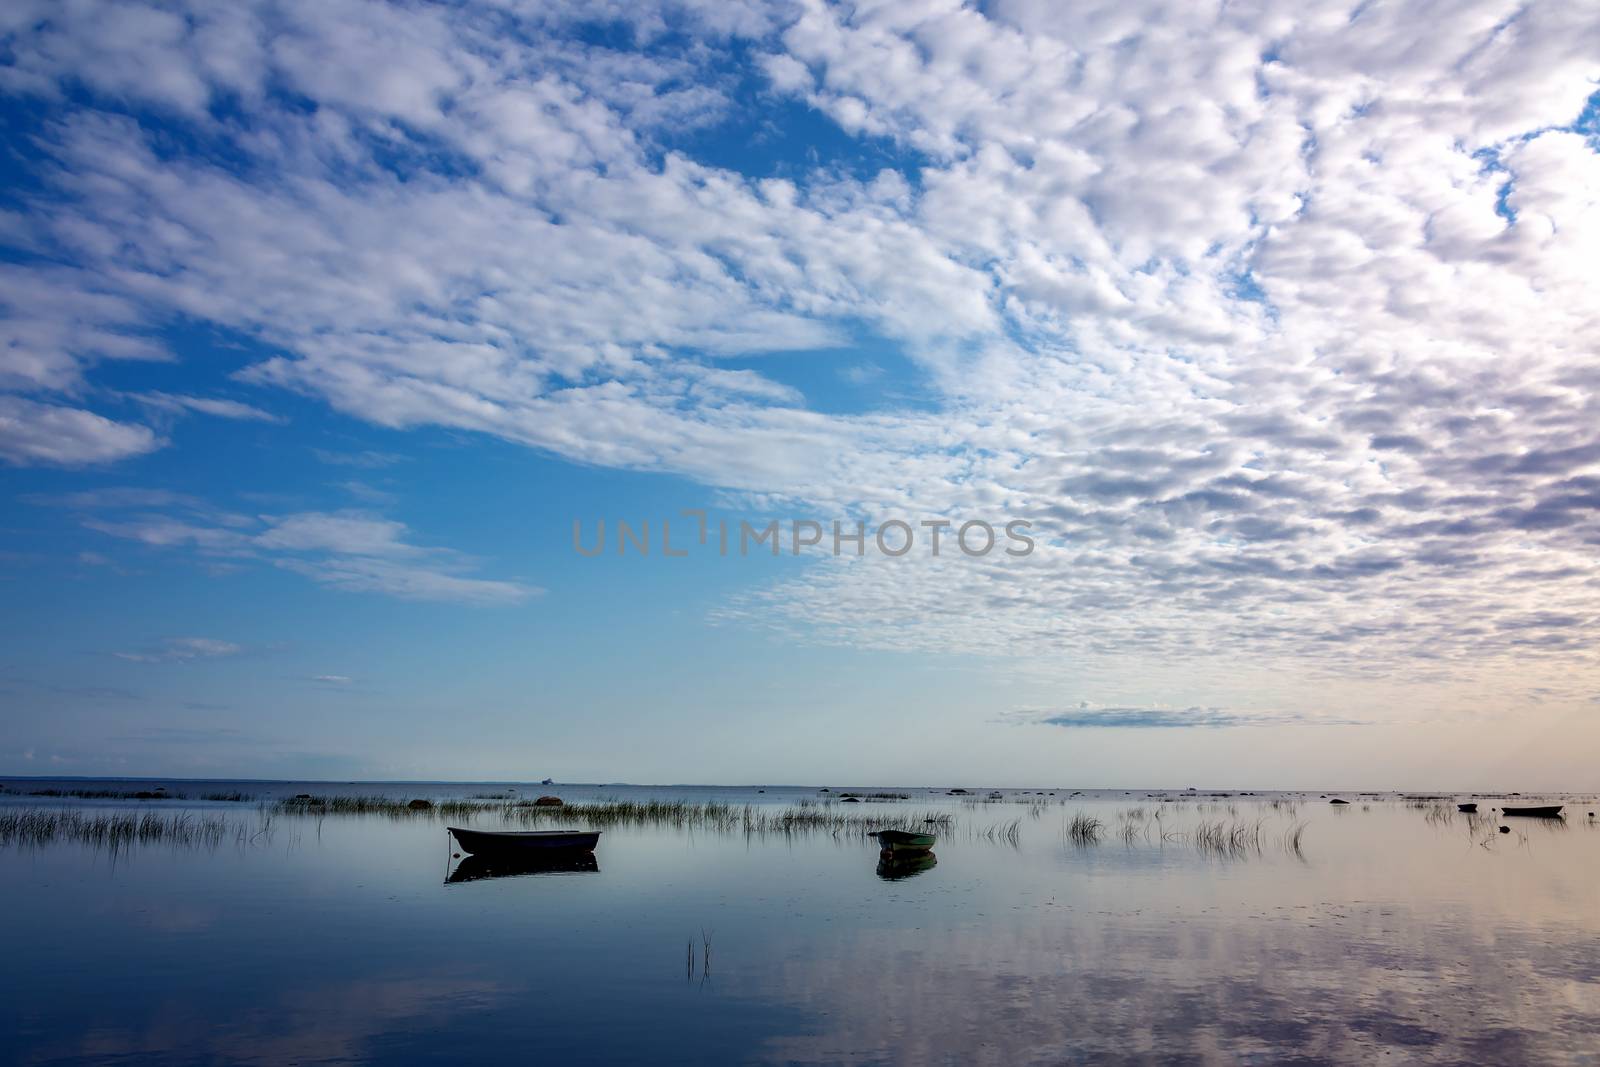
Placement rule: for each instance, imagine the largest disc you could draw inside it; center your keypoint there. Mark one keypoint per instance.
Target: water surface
(1399, 931)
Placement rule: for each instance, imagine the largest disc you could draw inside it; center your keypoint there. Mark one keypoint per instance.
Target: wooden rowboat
(523, 842)
(904, 841)
(1470, 809)
(1541, 811)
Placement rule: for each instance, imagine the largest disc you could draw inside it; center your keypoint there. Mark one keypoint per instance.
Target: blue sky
(324, 322)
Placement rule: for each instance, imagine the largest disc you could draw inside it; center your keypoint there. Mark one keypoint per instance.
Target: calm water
(1398, 936)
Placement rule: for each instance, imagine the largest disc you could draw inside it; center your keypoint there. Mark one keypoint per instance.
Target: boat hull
(524, 843)
(1470, 809)
(1537, 811)
(892, 841)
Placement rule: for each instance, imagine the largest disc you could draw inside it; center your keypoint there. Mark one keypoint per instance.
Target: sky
(332, 330)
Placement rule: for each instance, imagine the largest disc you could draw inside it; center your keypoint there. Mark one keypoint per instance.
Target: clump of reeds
(804, 817)
(1002, 833)
(41, 826)
(1233, 840)
(1131, 827)
(1292, 837)
(233, 797)
(1436, 814)
(1083, 829)
(377, 805)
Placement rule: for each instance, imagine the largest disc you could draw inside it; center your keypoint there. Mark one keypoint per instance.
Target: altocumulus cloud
(351, 550)
(1277, 322)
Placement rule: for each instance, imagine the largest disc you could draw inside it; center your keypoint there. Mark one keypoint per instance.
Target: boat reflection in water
(893, 866)
(477, 868)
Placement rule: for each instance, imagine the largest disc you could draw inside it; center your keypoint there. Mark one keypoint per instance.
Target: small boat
(1538, 811)
(523, 842)
(1470, 809)
(548, 781)
(892, 841)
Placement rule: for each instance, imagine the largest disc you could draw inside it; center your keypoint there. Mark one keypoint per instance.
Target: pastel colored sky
(323, 322)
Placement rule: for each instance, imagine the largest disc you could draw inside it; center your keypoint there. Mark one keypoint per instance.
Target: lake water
(1399, 933)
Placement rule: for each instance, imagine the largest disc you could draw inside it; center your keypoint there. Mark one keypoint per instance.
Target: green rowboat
(903, 841)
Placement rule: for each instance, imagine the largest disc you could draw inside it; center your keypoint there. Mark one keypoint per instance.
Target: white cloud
(353, 551)
(1280, 323)
(183, 649)
(360, 574)
(351, 534)
(218, 407)
(33, 433)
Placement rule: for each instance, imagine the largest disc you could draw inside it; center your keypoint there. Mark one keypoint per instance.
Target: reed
(1083, 829)
(42, 826)
(377, 805)
(1436, 814)
(1232, 840)
(1002, 833)
(804, 817)
(750, 819)
(1292, 837)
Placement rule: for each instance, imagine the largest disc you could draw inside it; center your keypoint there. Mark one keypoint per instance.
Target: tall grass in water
(1292, 837)
(377, 805)
(41, 826)
(1083, 829)
(1002, 833)
(1436, 814)
(1234, 840)
(749, 818)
